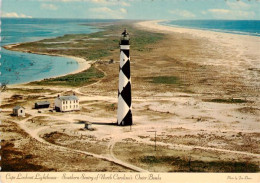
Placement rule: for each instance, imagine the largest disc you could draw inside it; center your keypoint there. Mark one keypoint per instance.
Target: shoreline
(82, 63)
(224, 37)
(154, 24)
(208, 29)
(242, 47)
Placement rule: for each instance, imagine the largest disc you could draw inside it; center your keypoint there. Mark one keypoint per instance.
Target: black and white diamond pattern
(124, 113)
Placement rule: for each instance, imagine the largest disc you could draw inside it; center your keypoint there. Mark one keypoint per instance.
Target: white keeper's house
(66, 103)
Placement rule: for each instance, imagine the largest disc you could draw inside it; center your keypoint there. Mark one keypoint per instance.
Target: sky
(133, 9)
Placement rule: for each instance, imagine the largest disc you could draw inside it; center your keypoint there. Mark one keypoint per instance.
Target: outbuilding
(19, 111)
(42, 104)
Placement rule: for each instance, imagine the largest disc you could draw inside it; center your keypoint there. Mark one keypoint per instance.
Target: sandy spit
(245, 43)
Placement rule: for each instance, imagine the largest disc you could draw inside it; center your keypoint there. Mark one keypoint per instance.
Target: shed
(19, 111)
(42, 104)
(88, 126)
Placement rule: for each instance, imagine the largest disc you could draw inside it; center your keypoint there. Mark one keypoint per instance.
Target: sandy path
(35, 134)
(78, 90)
(116, 137)
(190, 147)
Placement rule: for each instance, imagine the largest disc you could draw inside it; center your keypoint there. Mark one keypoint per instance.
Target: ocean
(244, 27)
(17, 67)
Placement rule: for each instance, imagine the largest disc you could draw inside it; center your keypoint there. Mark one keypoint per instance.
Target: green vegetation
(27, 90)
(94, 46)
(165, 80)
(88, 76)
(140, 39)
(230, 100)
(111, 107)
(189, 165)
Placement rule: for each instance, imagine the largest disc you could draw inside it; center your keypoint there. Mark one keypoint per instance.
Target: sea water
(17, 67)
(244, 27)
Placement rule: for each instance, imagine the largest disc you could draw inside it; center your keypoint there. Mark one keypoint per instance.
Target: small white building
(19, 111)
(66, 103)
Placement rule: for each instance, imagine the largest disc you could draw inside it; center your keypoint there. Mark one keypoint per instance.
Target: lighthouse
(124, 110)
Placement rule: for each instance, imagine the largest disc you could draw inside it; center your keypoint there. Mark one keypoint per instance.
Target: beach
(83, 64)
(199, 90)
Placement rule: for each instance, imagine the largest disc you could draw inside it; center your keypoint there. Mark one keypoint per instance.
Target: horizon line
(121, 19)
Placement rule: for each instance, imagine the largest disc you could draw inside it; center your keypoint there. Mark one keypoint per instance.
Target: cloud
(234, 10)
(49, 6)
(182, 14)
(14, 15)
(219, 11)
(123, 10)
(124, 3)
(102, 10)
(103, 2)
(238, 5)
(231, 14)
(105, 12)
(204, 12)
(110, 2)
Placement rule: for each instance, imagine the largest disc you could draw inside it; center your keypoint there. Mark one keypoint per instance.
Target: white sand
(83, 64)
(244, 45)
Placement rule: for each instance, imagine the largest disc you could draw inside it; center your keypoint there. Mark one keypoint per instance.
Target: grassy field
(88, 76)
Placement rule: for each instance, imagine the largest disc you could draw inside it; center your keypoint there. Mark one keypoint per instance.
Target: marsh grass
(26, 90)
(230, 100)
(165, 80)
(86, 77)
(189, 165)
